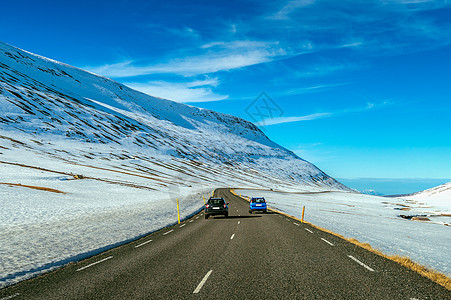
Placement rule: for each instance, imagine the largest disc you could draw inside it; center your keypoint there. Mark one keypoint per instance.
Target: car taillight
(207, 206)
(225, 206)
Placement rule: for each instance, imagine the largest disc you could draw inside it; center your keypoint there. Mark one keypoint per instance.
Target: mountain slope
(41, 96)
(439, 196)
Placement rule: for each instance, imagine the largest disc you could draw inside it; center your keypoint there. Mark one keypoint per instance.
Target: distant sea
(393, 186)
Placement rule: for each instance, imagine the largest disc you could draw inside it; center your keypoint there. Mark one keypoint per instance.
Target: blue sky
(362, 88)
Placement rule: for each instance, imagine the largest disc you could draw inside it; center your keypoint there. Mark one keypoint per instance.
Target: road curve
(245, 256)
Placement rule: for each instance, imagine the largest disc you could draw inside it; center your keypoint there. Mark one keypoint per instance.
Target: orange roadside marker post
(303, 211)
(178, 211)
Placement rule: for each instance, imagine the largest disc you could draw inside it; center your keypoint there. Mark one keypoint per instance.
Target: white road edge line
(142, 244)
(201, 284)
(360, 263)
(10, 297)
(327, 242)
(308, 230)
(296, 224)
(182, 225)
(233, 235)
(168, 232)
(95, 263)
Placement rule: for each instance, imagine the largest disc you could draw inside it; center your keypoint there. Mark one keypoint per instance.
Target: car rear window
(258, 200)
(216, 201)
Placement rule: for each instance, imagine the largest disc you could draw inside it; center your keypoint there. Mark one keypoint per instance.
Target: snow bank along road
(245, 256)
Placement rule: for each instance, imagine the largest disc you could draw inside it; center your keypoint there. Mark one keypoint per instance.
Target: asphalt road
(246, 256)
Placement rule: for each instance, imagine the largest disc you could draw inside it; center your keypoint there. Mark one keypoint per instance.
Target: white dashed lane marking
(182, 225)
(308, 230)
(296, 224)
(168, 232)
(233, 235)
(326, 241)
(201, 284)
(95, 263)
(360, 263)
(10, 297)
(142, 244)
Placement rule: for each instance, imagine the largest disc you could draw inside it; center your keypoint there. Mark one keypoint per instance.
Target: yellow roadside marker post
(303, 211)
(178, 211)
(203, 197)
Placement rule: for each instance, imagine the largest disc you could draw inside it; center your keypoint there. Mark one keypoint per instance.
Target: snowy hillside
(50, 100)
(432, 205)
(87, 163)
(437, 196)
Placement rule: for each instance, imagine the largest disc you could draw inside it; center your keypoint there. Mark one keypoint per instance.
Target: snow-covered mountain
(50, 100)
(371, 192)
(439, 196)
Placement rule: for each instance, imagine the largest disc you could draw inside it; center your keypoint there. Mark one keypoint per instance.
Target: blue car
(257, 204)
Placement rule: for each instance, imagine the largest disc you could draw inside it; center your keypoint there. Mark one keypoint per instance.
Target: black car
(216, 206)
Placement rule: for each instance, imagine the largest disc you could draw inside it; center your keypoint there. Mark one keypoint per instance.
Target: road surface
(246, 256)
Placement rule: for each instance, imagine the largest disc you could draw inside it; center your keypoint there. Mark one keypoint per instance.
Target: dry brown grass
(132, 185)
(431, 274)
(41, 188)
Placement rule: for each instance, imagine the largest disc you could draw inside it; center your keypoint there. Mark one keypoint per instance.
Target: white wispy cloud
(322, 115)
(407, 1)
(325, 67)
(229, 56)
(192, 91)
(312, 89)
(377, 28)
(292, 5)
(281, 120)
(185, 32)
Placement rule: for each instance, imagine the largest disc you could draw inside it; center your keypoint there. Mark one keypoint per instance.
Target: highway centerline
(360, 263)
(324, 240)
(201, 284)
(142, 244)
(168, 232)
(95, 263)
